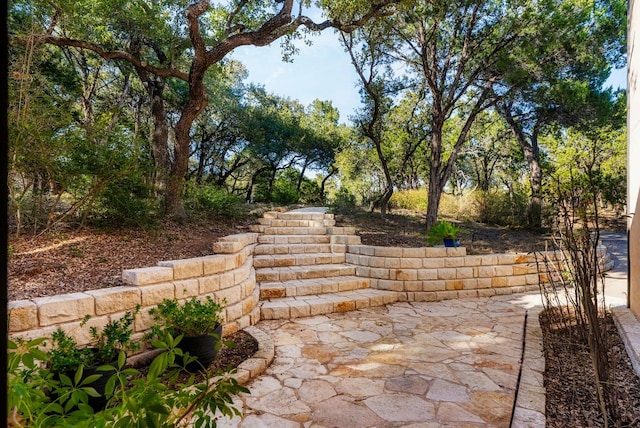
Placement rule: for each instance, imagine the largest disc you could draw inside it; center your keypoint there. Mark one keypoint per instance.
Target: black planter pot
(96, 403)
(204, 348)
(99, 403)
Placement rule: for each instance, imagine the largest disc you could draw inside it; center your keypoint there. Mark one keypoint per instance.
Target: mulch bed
(244, 346)
(571, 396)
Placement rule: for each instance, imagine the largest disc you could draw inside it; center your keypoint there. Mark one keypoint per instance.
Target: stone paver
(423, 364)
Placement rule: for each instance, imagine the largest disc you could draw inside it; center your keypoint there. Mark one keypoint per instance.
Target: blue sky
(321, 71)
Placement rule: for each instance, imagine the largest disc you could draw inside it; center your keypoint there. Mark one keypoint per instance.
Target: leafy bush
(213, 200)
(442, 230)
(284, 193)
(192, 317)
(501, 208)
(157, 398)
(344, 202)
(415, 200)
(309, 192)
(126, 201)
(66, 356)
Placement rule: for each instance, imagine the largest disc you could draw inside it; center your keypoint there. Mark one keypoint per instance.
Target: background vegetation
(124, 113)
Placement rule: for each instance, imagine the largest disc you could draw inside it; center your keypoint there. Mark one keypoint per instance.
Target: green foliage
(344, 202)
(193, 317)
(114, 337)
(501, 207)
(67, 357)
(415, 200)
(127, 201)
(309, 192)
(213, 200)
(284, 192)
(158, 398)
(442, 230)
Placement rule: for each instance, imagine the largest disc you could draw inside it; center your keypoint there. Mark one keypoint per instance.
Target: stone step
(297, 216)
(268, 230)
(274, 249)
(304, 306)
(341, 230)
(296, 223)
(288, 273)
(346, 239)
(294, 239)
(281, 260)
(306, 287)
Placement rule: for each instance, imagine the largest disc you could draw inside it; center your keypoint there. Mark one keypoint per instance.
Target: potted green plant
(92, 365)
(197, 321)
(445, 232)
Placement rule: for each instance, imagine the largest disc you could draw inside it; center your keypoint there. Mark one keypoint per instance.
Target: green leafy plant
(193, 317)
(441, 231)
(66, 356)
(159, 397)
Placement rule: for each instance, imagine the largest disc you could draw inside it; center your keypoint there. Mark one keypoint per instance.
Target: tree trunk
(160, 141)
(324, 184)
(433, 204)
(435, 187)
(532, 156)
(384, 201)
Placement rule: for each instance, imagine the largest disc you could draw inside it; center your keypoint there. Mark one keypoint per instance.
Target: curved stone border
(256, 365)
(529, 406)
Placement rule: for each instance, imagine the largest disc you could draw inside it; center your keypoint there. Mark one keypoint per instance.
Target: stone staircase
(301, 269)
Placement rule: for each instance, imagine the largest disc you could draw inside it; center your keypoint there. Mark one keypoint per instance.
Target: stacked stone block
(430, 274)
(301, 267)
(293, 265)
(227, 276)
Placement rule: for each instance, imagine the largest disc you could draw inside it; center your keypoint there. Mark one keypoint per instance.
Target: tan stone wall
(227, 275)
(430, 274)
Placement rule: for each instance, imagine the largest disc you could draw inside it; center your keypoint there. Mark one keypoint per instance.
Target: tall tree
(372, 68)
(192, 39)
(556, 76)
(452, 51)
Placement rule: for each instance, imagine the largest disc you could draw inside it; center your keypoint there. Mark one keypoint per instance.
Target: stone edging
(629, 329)
(258, 363)
(529, 406)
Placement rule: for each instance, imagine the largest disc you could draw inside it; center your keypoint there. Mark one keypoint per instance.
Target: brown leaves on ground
(571, 396)
(75, 261)
(407, 229)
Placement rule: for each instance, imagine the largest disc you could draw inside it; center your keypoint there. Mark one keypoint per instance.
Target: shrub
(501, 208)
(415, 200)
(441, 231)
(192, 317)
(158, 398)
(213, 200)
(344, 202)
(126, 201)
(66, 356)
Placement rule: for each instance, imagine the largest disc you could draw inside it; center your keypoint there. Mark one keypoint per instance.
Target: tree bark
(532, 156)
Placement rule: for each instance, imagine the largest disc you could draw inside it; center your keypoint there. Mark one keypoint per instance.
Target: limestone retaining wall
(417, 274)
(430, 274)
(228, 275)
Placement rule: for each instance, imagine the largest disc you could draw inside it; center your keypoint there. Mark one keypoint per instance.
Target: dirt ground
(571, 396)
